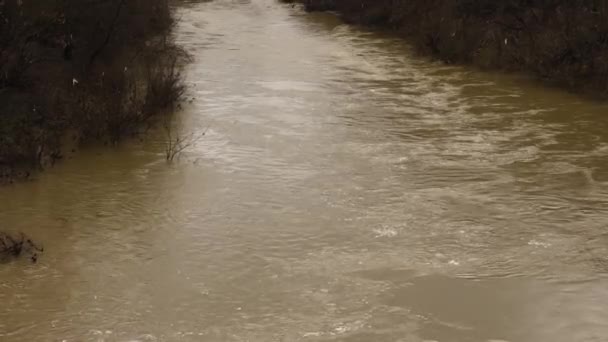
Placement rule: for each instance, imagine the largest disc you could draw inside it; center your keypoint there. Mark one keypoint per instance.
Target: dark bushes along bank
(561, 41)
(73, 71)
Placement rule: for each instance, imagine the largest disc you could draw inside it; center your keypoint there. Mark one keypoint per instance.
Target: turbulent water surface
(346, 190)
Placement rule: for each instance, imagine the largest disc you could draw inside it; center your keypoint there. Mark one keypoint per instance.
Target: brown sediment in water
(347, 190)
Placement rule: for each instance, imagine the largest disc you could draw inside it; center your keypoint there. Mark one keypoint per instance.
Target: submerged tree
(12, 247)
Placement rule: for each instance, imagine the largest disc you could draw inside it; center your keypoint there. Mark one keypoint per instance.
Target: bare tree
(176, 143)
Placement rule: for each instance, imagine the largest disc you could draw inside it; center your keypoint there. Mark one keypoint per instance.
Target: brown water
(346, 191)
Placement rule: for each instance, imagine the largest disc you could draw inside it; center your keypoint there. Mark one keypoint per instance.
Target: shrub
(562, 40)
(12, 247)
(97, 68)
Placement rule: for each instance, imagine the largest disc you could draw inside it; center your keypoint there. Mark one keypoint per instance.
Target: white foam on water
(344, 328)
(537, 243)
(386, 232)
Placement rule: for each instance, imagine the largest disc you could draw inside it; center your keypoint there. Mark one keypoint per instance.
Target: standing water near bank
(345, 191)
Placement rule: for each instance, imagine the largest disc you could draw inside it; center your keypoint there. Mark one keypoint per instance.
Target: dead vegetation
(98, 69)
(177, 142)
(561, 41)
(15, 246)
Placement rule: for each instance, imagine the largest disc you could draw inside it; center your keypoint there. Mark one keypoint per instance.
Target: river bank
(346, 190)
(73, 72)
(564, 43)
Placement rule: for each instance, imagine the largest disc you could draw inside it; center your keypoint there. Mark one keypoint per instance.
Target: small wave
(537, 243)
(386, 232)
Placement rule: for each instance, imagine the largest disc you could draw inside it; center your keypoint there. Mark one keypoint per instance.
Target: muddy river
(346, 190)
